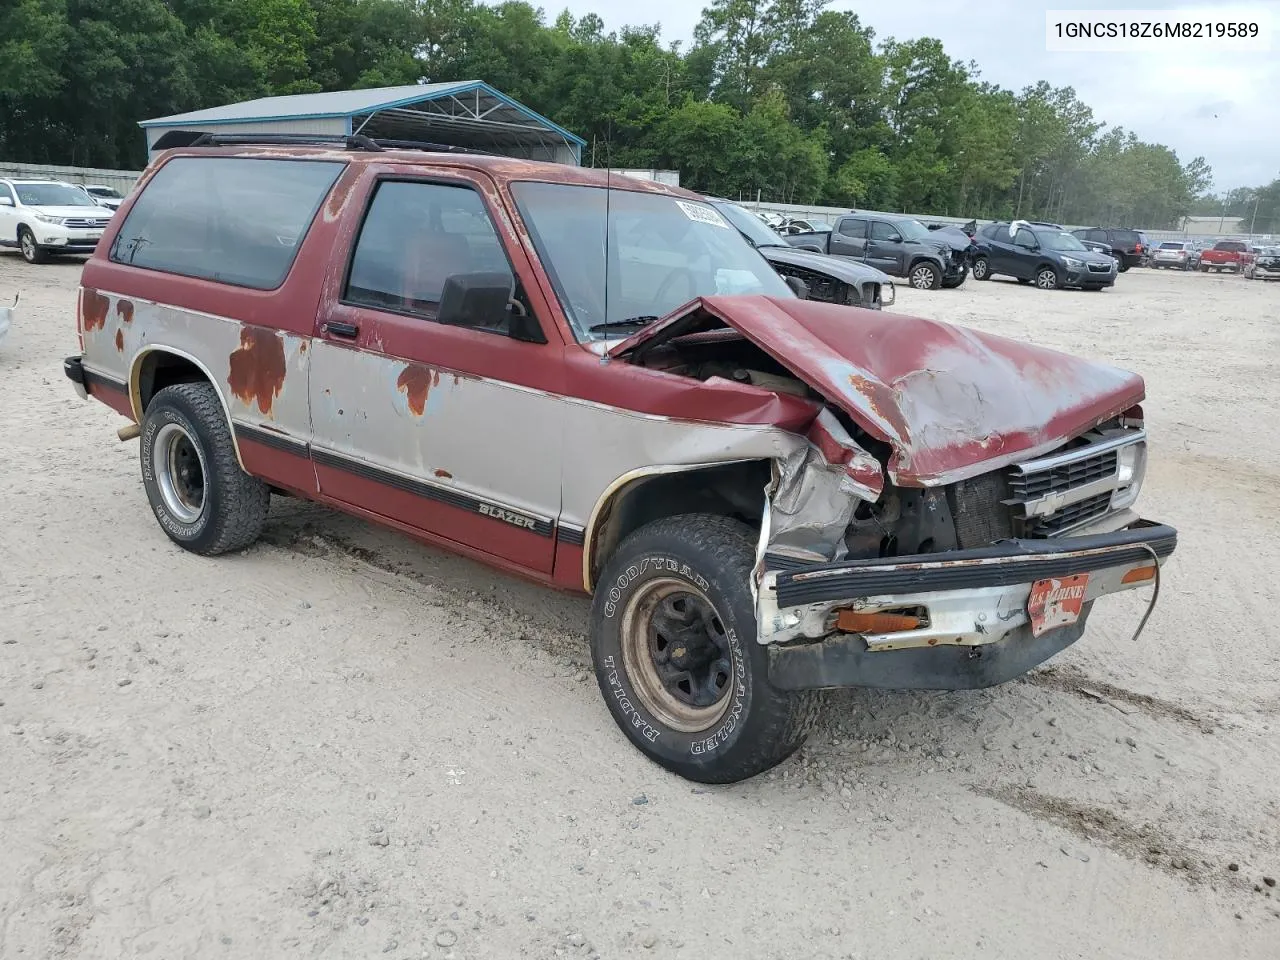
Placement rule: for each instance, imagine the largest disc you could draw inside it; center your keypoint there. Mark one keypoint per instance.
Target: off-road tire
(761, 726)
(234, 505)
(30, 250)
(985, 273)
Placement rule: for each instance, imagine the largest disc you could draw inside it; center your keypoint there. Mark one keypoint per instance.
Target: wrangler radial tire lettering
(673, 642)
(232, 506)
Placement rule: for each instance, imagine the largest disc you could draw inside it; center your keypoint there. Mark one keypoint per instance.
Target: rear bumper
(977, 633)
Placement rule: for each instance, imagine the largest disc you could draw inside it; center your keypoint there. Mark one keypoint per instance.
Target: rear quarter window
(235, 220)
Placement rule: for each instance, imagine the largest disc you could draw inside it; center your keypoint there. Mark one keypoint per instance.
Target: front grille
(1069, 517)
(1063, 477)
(84, 223)
(1099, 268)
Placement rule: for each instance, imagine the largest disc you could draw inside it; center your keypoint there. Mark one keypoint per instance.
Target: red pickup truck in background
(1226, 255)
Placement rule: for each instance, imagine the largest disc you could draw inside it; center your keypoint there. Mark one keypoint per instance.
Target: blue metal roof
(347, 103)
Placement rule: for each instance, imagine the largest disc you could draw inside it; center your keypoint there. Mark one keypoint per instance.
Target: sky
(1224, 106)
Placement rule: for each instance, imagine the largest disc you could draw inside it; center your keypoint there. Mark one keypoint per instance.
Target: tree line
(782, 99)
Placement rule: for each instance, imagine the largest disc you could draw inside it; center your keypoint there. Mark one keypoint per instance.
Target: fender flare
(135, 387)
(616, 488)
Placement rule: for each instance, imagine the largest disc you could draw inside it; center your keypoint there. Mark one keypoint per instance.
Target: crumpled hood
(841, 268)
(952, 402)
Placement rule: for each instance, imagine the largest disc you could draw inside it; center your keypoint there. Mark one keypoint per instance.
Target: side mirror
(485, 300)
(6, 201)
(798, 287)
(475, 300)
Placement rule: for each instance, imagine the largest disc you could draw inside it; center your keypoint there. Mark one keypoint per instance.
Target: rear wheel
(1122, 265)
(981, 269)
(199, 494)
(925, 276)
(673, 642)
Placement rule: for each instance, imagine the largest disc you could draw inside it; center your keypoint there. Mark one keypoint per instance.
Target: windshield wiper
(623, 324)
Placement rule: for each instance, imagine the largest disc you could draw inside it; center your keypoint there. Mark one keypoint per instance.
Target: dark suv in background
(1043, 254)
(1128, 246)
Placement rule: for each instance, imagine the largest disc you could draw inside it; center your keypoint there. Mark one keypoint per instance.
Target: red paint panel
(952, 402)
(494, 538)
(567, 572)
(117, 400)
(293, 471)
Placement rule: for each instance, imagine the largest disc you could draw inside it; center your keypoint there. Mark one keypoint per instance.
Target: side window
(233, 220)
(1001, 234)
(853, 228)
(1098, 236)
(1024, 238)
(884, 231)
(430, 250)
(6, 192)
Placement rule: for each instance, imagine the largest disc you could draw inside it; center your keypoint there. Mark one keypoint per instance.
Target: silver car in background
(1176, 254)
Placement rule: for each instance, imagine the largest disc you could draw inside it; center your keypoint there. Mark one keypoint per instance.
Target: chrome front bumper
(974, 600)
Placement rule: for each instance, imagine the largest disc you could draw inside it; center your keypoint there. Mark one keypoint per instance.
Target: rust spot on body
(124, 310)
(444, 474)
(94, 306)
(120, 340)
(258, 368)
(415, 382)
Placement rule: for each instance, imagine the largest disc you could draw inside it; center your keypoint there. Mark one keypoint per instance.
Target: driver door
(436, 411)
(885, 248)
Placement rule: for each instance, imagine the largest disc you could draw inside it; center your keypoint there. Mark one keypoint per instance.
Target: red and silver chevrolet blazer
(597, 383)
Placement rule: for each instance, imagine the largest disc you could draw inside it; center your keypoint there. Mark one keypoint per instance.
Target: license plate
(1056, 603)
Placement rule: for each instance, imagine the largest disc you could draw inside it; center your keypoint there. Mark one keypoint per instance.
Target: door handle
(338, 328)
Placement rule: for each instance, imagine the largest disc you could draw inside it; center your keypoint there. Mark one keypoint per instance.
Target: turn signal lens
(850, 621)
(1139, 575)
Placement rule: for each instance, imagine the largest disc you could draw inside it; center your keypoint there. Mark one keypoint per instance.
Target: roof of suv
(505, 168)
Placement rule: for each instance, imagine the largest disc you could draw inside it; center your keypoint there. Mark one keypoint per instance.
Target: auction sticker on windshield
(1056, 603)
(701, 214)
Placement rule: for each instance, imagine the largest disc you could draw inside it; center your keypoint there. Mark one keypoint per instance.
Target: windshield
(912, 229)
(52, 195)
(752, 226)
(1170, 246)
(1055, 240)
(656, 254)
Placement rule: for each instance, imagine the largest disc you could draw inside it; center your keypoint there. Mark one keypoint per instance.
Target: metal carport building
(468, 113)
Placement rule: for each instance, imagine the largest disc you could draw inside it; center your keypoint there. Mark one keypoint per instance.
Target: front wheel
(199, 494)
(981, 269)
(925, 276)
(1047, 278)
(31, 251)
(673, 642)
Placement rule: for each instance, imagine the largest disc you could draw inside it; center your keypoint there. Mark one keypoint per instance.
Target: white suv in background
(42, 217)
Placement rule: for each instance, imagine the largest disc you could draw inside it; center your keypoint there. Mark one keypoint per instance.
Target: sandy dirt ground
(343, 744)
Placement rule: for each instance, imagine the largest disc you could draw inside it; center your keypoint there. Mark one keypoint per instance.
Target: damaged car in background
(825, 278)
(901, 246)
(597, 383)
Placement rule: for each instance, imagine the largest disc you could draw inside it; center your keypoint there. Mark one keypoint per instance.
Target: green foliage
(785, 99)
